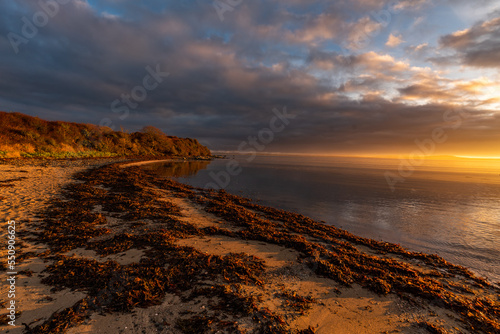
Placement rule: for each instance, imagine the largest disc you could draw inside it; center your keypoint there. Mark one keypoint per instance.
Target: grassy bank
(26, 136)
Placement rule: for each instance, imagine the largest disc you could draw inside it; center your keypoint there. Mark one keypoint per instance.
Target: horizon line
(376, 156)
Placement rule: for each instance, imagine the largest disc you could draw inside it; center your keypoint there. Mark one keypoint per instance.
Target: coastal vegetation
(26, 136)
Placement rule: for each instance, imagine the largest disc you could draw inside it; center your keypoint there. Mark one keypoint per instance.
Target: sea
(449, 207)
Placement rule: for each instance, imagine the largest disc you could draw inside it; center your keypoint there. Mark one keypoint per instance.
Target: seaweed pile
(84, 219)
(8, 183)
(332, 252)
(151, 225)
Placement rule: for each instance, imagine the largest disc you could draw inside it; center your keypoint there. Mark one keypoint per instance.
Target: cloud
(227, 76)
(394, 41)
(478, 46)
(361, 32)
(421, 51)
(409, 4)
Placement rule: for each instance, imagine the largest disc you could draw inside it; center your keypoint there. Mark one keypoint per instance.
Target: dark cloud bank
(106, 62)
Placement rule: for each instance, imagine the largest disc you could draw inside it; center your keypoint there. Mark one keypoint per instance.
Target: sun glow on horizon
(369, 155)
(478, 157)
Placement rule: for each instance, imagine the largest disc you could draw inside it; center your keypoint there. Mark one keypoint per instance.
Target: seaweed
(432, 328)
(295, 302)
(131, 195)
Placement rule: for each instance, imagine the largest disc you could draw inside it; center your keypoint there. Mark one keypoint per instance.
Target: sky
(348, 77)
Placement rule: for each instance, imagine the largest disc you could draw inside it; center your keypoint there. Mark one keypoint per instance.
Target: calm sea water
(451, 208)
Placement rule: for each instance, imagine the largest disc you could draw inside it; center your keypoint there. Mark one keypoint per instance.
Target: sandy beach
(118, 250)
(26, 186)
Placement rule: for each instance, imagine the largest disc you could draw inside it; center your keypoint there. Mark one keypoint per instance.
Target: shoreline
(461, 234)
(292, 286)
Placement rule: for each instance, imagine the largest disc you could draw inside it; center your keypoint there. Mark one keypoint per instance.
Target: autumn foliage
(26, 136)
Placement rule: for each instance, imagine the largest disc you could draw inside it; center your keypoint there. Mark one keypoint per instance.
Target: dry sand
(338, 309)
(21, 200)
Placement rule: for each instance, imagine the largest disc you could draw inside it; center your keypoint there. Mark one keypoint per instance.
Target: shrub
(23, 135)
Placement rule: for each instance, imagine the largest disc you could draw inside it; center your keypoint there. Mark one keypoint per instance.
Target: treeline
(26, 136)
